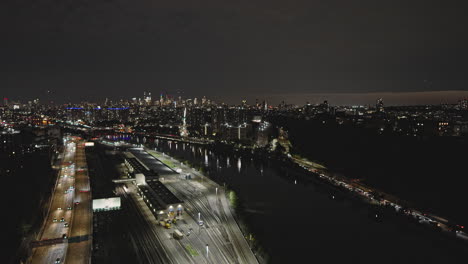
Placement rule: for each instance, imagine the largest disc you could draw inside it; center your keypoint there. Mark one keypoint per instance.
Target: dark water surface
(297, 221)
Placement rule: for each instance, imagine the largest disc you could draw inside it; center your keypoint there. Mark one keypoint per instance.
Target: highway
(219, 240)
(81, 226)
(63, 219)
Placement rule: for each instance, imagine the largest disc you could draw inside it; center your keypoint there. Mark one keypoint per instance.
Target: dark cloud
(115, 48)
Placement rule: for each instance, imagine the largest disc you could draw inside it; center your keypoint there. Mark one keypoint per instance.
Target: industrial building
(162, 202)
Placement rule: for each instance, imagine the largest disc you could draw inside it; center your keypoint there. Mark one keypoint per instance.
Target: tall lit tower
(147, 98)
(183, 128)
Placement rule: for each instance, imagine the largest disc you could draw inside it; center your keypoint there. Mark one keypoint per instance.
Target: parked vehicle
(177, 234)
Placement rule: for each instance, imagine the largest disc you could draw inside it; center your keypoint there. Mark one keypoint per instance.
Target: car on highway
(200, 223)
(65, 225)
(62, 219)
(60, 208)
(69, 208)
(64, 236)
(54, 220)
(57, 261)
(77, 203)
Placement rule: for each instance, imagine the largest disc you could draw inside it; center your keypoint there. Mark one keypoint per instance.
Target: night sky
(229, 50)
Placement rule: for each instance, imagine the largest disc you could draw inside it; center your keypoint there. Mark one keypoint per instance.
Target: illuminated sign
(107, 204)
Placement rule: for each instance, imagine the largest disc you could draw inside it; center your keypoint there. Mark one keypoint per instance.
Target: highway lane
(48, 254)
(81, 225)
(62, 206)
(58, 209)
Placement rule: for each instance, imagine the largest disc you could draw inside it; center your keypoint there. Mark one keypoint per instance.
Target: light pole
(199, 214)
(216, 191)
(207, 250)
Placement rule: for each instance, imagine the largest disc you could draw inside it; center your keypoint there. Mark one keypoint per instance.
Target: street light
(207, 250)
(216, 191)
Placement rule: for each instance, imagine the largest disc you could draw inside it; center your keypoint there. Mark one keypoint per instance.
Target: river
(303, 221)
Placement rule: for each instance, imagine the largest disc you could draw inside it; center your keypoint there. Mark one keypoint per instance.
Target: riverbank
(381, 199)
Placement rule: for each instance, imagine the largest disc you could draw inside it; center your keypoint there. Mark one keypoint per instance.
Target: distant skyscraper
(147, 98)
(183, 128)
(463, 104)
(380, 105)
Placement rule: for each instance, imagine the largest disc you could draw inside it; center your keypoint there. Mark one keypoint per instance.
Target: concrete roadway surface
(226, 244)
(62, 198)
(81, 225)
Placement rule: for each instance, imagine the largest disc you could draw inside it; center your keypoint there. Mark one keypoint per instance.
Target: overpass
(54, 241)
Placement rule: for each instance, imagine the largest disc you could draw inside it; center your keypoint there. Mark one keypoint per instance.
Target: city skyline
(391, 98)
